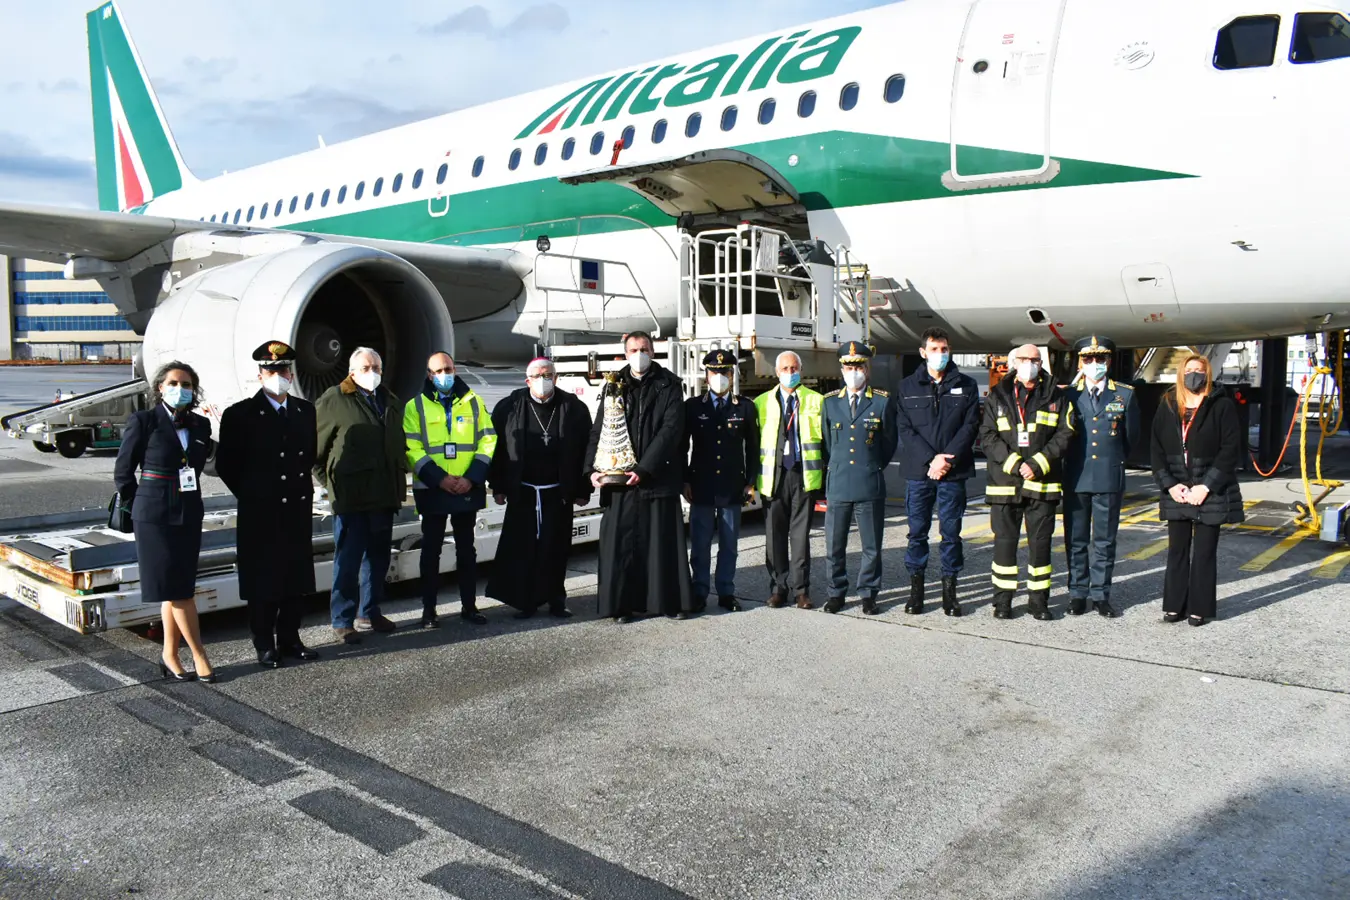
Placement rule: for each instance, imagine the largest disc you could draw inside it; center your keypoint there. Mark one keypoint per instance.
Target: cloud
(471, 20)
(64, 86)
(28, 173)
(209, 70)
(544, 18)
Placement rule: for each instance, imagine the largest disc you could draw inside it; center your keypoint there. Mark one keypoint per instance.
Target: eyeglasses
(1022, 359)
(539, 375)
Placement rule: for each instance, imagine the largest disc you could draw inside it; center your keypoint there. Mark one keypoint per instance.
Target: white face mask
(720, 384)
(856, 379)
(276, 384)
(639, 360)
(1027, 371)
(367, 381)
(1095, 371)
(541, 388)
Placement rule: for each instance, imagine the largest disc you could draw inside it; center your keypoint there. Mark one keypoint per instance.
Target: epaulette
(1121, 384)
(880, 391)
(843, 392)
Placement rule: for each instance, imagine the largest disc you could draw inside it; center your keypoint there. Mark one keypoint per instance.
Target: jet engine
(324, 299)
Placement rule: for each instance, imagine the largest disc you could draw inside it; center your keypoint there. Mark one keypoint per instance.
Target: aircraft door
(1151, 293)
(1000, 116)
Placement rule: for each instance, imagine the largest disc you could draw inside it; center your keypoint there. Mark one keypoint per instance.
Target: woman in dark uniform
(169, 444)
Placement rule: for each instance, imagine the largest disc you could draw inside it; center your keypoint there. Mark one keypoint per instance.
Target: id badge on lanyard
(791, 423)
(1023, 435)
(187, 479)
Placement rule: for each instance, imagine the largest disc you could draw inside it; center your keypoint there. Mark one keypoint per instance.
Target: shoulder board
(843, 392)
(1124, 387)
(735, 400)
(880, 392)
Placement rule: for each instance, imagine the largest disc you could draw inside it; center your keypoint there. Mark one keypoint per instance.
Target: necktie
(853, 405)
(281, 410)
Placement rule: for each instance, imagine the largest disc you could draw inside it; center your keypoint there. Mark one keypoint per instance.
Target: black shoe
(166, 672)
(559, 611)
(1170, 617)
(208, 678)
(1077, 606)
(1042, 614)
(915, 604)
(950, 606)
(1105, 609)
(624, 619)
(298, 651)
(1003, 611)
(1197, 621)
(833, 605)
(429, 620)
(474, 616)
(269, 659)
(869, 607)
(729, 602)
(525, 613)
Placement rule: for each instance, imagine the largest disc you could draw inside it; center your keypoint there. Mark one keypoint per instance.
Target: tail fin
(135, 156)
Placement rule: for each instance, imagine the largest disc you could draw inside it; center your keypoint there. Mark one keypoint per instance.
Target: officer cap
(854, 352)
(1094, 345)
(720, 359)
(274, 354)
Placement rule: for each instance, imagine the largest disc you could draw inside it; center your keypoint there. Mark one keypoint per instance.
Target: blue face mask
(1095, 371)
(938, 361)
(176, 396)
(443, 382)
(792, 381)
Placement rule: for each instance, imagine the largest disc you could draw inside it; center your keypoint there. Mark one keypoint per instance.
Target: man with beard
(644, 565)
(537, 471)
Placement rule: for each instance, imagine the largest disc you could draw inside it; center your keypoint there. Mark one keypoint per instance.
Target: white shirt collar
(276, 404)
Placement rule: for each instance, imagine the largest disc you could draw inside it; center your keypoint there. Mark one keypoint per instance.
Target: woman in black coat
(169, 444)
(1197, 444)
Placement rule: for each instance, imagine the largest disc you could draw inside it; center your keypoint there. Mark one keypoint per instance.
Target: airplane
(1013, 170)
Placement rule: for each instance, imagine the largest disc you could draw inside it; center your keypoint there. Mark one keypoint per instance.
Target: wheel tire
(71, 446)
(44, 447)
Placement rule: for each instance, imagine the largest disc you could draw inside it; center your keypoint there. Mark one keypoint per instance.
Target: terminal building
(48, 317)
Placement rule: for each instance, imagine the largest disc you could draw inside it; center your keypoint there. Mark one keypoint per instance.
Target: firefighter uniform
(790, 474)
(1032, 426)
(860, 435)
(721, 436)
(1094, 480)
(448, 434)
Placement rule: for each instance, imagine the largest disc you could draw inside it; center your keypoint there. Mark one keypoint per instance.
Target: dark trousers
(950, 498)
(1091, 519)
(466, 558)
(1191, 583)
(787, 533)
(360, 562)
(871, 518)
(1006, 520)
(275, 622)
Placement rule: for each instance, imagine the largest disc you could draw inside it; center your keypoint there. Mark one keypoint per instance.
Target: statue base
(610, 479)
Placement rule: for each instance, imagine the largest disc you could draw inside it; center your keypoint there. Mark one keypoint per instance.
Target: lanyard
(1017, 403)
(1186, 423)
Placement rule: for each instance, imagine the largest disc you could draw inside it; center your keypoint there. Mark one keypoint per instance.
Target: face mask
(1195, 382)
(790, 380)
(541, 387)
(443, 382)
(938, 361)
(276, 384)
(367, 381)
(1027, 371)
(720, 384)
(1095, 371)
(855, 379)
(639, 361)
(176, 396)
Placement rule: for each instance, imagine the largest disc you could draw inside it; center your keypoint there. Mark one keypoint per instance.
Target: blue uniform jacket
(857, 449)
(938, 417)
(1095, 463)
(725, 449)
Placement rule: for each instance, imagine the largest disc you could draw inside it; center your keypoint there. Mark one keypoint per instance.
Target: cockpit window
(1247, 43)
(1319, 37)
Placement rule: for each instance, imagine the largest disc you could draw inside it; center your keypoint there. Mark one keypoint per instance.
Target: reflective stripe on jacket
(770, 409)
(1049, 428)
(456, 445)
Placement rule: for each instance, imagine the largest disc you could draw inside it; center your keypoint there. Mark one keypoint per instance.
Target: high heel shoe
(1172, 616)
(208, 678)
(166, 672)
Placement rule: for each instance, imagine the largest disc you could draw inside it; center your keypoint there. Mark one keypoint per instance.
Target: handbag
(119, 514)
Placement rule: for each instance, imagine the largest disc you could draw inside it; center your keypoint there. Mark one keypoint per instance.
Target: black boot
(1003, 605)
(915, 604)
(1038, 604)
(949, 605)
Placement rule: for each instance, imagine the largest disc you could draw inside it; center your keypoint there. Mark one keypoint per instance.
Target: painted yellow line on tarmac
(1333, 565)
(1149, 550)
(1269, 555)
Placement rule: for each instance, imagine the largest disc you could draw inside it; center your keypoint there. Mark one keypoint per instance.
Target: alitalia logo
(797, 58)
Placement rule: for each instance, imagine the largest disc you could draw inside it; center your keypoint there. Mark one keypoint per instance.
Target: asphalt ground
(767, 753)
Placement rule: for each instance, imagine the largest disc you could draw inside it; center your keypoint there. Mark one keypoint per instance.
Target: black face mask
(1194, 382)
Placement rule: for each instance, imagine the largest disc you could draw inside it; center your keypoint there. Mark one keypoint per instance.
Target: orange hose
(1287, 436)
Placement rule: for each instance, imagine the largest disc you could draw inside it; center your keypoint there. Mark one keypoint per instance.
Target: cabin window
(1319, 37)
(323, 201)
(848, 97)
(250, 214)
(1247, 43)
(540, 154)
(628, 134)
(225, 217)
(729, 118)
(295, 201)
(895, 88)
(692, 124)
(237, 214)
(360, 189)
(597, 142)
(478, 167)
(440, 175)
(377, 187)
(213, 217)
(569, 147)
(309, 200)
(417, 178)
(342, 195)
(514, 160)
(276, 211)
(807, 104)
(262, 214)
(766, 111)
(398, 183)
(659, 131)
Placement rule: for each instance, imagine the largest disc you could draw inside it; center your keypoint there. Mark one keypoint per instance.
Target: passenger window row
(1250, 42)
(263, 210)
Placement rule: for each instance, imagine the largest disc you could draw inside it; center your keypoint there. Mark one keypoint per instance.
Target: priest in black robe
(538, 470)
(644, 561)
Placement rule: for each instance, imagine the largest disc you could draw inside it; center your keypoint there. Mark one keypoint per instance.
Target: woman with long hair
(1197, 444)
(169, 444)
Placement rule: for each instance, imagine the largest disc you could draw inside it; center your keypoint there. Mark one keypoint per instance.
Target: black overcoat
(654, 408)
(265, 460)
(574, 427)
(1210, 456)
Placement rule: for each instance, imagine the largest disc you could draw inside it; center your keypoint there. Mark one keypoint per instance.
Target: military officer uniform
(267, 449)
(721, 445)
(1094, 479)
(859, 436)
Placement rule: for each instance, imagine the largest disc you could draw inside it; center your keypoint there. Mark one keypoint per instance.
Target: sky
(248, 81)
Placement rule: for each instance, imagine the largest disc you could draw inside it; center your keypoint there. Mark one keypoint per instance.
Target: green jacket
(361, 461)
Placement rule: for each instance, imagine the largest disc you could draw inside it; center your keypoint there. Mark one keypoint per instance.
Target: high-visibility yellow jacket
(771, 438)
(458, 442)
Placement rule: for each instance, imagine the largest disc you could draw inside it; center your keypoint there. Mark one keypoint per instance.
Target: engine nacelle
(324, 299)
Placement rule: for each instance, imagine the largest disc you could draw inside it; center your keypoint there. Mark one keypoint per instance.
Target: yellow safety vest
(808, 434)
(454, 445)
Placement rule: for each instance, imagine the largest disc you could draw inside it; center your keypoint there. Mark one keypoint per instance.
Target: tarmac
(760, 754)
